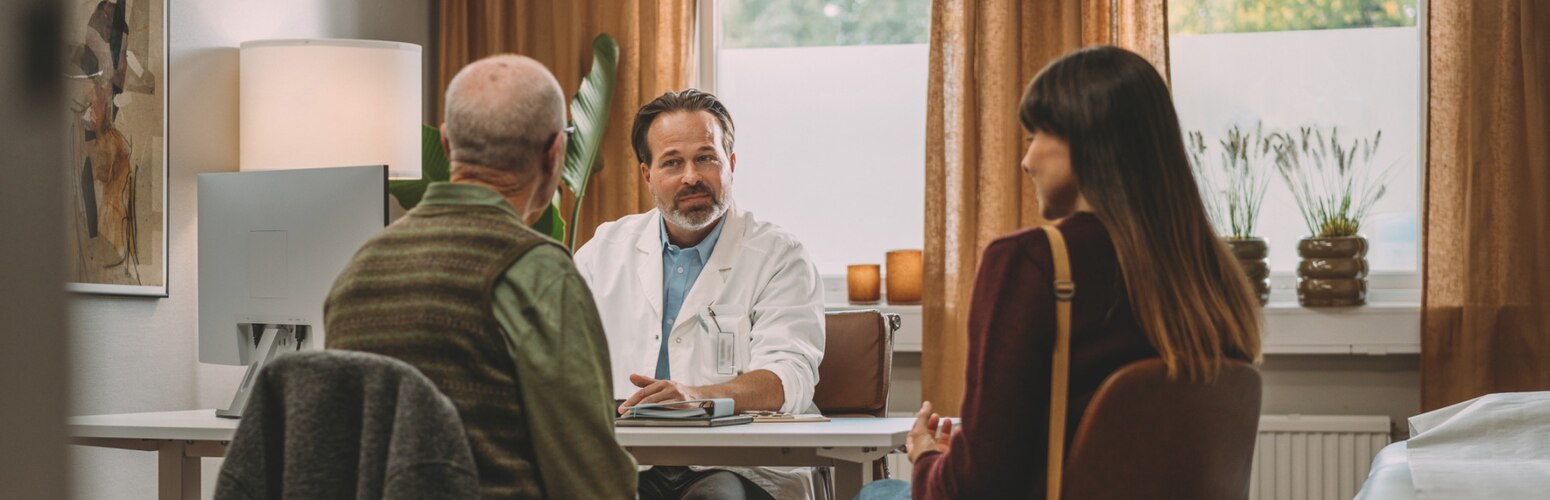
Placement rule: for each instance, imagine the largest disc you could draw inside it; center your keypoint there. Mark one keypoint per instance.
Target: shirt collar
(458, 193)
(703, 248)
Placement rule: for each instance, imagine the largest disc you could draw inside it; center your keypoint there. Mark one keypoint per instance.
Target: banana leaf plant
(588, 113)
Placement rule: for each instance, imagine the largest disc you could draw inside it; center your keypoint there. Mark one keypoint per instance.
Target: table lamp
(330, 103)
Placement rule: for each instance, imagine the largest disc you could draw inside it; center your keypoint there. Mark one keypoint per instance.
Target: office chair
(343, 424)
(854, 375)
(1144, 436)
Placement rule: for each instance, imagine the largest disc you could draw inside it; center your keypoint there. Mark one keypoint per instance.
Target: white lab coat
(764, 290)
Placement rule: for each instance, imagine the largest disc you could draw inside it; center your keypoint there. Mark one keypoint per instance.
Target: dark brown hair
(684, 100)
(1187, 291)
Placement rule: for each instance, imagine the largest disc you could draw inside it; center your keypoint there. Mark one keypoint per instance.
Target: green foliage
(747, 24)
(1242, 163)
(433, 167)
(550, 222)
(1334, 184)
(1198, 17)
(589, 114)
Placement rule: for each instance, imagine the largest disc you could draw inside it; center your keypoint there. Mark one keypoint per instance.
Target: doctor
(700, 300)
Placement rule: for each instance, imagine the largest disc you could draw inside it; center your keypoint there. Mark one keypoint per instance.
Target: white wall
(136, 354)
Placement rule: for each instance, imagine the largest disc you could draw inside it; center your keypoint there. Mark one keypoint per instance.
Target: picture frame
(117, 171)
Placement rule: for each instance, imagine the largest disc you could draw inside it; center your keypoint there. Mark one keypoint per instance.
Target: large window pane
(830, 113)
(1284, 64)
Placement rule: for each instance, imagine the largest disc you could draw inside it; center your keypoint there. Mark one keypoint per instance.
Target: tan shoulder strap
(1060, 364)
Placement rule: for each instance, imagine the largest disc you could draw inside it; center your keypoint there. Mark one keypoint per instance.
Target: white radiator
(1314, 457)
(1299, 457)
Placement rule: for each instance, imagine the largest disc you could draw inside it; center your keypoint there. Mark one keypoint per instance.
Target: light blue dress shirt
(680, 267)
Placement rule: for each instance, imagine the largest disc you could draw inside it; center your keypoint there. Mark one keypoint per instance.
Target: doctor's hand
(930, 433)
(656, 391)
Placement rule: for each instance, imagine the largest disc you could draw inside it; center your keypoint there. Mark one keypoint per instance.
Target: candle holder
(864, 283)
(904, 276)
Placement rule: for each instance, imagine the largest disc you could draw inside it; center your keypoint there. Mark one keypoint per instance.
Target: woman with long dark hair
(1153, 279)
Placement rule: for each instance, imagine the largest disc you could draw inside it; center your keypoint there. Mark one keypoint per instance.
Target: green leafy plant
(1334, 184)
(589, 115)
(1241, 166)
(433, 167)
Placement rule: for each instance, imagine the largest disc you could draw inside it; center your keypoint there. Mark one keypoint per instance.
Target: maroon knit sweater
(1001, 450)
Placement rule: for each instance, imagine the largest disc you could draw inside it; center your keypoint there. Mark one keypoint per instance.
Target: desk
(182, 438)
(850, 445)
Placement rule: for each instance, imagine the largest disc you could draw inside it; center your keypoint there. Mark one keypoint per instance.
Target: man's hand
(656, 391)
(930, 433)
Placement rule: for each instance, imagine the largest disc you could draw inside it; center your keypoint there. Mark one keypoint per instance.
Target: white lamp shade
(330, 103)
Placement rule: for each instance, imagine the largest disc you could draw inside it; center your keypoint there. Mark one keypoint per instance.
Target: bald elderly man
(491, 311)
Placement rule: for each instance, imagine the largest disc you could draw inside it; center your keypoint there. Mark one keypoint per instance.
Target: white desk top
(840, 432)
(196, 425)
(203, 425)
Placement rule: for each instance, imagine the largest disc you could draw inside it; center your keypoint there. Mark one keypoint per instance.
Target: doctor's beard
(696, 218)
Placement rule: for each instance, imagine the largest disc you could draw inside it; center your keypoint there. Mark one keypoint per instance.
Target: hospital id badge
(726, 341)
(726, 353)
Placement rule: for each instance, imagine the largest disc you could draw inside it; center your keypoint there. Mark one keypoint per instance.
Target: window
(1351, 64)
(829, 99)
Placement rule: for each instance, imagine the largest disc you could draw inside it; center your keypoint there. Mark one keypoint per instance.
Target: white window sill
(1390, 323)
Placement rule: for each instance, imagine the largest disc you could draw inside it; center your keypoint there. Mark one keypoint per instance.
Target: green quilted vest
(420, 291)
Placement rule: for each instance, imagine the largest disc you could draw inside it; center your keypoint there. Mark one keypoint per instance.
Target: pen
(713, 318)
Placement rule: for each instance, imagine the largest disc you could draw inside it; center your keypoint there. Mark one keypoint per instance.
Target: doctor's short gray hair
(502, 111)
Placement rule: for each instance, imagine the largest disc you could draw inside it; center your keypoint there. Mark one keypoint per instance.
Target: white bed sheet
(1389, 477)
(1495, 446)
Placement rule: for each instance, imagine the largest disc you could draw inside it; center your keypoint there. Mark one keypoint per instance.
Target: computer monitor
(271, 244)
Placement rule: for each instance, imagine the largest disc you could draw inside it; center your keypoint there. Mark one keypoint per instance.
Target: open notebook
(692, 413)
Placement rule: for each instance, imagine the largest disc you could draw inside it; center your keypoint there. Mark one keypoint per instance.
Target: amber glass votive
(904, 274)
(864, 283)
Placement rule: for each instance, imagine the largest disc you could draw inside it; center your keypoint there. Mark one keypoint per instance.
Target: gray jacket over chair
(339, 425)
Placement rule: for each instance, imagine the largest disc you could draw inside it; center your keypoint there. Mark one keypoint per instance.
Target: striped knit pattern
(420, 291)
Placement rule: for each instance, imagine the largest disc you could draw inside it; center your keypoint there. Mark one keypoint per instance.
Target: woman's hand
(931, 433)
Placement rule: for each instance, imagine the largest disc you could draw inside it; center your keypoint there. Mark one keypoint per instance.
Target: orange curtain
(983, 54)
(656, 44)
(1486, 308)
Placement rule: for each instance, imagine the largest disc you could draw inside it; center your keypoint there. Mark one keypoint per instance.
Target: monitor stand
(274, 339)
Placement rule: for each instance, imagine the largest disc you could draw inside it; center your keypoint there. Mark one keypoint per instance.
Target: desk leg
(178, 473)
(849, 477)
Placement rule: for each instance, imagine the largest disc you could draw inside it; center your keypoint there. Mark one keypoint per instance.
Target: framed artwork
(117, 167)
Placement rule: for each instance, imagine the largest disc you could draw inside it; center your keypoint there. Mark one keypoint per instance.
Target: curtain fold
(1485, 323)
(983, 54)
(656, 44)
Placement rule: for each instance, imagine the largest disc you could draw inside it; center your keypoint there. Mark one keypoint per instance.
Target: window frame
(1392, 286)
(1383, 286)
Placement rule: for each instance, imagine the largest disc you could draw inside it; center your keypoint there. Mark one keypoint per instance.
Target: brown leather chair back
(1144, 436)
(857, 364)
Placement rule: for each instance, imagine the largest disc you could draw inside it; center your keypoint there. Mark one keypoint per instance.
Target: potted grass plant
(1233, 188)
(1334, 184)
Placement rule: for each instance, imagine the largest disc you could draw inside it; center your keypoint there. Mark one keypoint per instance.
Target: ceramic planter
(1333, 271)
(1251, 253)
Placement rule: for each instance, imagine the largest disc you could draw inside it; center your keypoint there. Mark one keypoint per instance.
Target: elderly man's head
(505, 113)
